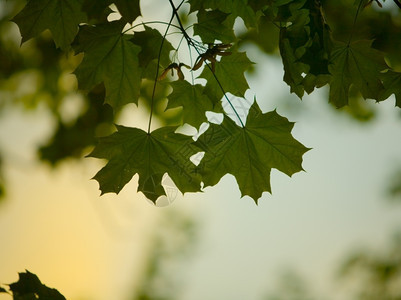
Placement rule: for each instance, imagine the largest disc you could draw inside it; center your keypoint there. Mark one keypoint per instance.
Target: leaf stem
(157, 73)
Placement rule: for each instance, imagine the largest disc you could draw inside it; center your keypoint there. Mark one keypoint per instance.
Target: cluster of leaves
(313, 58)
(124, 55)
(29, 287)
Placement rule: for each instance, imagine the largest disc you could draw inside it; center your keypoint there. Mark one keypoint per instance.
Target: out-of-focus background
(331, 232)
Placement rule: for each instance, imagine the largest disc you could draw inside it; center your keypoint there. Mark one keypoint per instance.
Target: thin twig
(150, 22)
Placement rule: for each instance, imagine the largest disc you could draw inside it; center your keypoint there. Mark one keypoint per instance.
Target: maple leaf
(392, 84)
(110, 57)
(61, 17)
(249, 153)
(355, 64)
(212, 25)
(235, 8)
(192, 100)
(96, 10)
(131, 151)
(129, 9)
(150, 41)
(230, 73)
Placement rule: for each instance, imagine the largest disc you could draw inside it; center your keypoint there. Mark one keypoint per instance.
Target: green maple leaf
(61, 17)
(129, 9)
(392, 85)
(355, 64)
(251, 152)
(96, 10)
(109, 57)
(235, 8)
(214, 25)
(131, 151)
(193, 101)
(230, 73)
(150, 41)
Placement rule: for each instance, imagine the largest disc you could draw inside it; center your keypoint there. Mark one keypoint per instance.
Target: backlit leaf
(230, 73)
(62, 17)
(150, 41)
(129, 9)
(193, 101)
(109, 57)
(355, 64)
(131, 151)
(235, 8)
(392, 84)
(212, 26)
(251, 152)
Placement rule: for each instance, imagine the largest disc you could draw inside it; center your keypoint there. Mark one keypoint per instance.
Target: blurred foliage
(2, 186)
(173, 242)
(375, 276)
(394, 186)
(71, 140)
(291, 286)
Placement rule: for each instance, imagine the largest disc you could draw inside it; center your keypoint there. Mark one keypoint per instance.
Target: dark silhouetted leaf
(29, 287)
